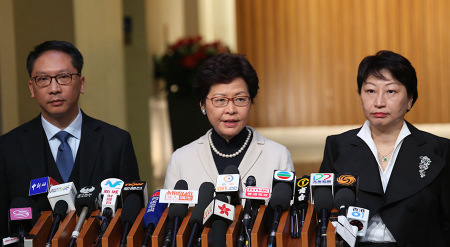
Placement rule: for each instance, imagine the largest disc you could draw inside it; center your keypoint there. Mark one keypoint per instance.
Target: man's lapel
(91, 141)
(33, 141)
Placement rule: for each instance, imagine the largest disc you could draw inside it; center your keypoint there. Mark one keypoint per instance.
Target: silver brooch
(423, 166)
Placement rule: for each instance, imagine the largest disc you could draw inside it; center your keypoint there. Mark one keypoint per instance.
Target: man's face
(59, 103)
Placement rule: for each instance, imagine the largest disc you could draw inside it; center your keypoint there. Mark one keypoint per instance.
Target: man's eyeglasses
(223, 101)
(61, 79)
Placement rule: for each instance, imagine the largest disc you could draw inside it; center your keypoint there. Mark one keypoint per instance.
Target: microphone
(300, 205)
(152, 215)
(177, 212)
(66, 192)
(59, 213)
(229, 183)
(323, 203)
(39, 189)
(221, 214)
(205, 196)
(131, 208)
(244, 233)
(281, 198)
(358, 217)
(111, 190)
(62, 198)
(20, 220)
(344, 198)
(85, 203)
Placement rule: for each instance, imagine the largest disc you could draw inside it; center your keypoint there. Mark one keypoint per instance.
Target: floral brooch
(424, 165)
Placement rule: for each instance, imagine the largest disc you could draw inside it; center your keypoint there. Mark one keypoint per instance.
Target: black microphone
(323, 203)
(59, 213)
(205, 196)
(232, 184)
(177, 212)
(300, 205)
(21, 213)
(86, 202)
(244, 233)
(281, 198)
(219, 225)
(131, 208)
(152, 216)
(344, 198)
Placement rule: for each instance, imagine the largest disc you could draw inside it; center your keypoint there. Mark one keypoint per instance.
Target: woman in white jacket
(225, 87)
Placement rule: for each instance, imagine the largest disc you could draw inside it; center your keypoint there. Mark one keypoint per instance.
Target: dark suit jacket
(105, 151)
(416, 210)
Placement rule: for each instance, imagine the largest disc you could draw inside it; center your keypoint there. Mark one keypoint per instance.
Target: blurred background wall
(306, 53)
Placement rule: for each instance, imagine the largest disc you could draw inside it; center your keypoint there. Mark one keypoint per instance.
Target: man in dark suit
(95, 150)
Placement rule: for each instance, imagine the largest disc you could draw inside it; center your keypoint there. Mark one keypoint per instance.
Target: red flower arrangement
(182, 59)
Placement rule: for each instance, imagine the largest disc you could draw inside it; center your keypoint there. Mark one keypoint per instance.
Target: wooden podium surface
(113, 234)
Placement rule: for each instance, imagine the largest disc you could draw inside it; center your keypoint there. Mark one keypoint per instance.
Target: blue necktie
(64, 157)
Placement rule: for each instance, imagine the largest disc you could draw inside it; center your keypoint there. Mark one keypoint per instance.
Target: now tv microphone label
(259, 193)
(179, 196)
(20, 213)
(228, 182)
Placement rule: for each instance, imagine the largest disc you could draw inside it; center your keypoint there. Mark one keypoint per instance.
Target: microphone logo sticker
(228, 179)
(110, 184)
(283, 175)
(346, 179)
(224, 209)
(20, 213)
(87, 189)
(303, 182)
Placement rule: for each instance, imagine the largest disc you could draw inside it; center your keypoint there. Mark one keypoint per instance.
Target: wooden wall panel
(307, 52)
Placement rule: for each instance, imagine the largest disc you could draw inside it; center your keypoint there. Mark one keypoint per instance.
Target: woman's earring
(204, 111)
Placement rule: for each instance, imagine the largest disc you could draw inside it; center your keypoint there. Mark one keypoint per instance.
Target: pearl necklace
(229, 155)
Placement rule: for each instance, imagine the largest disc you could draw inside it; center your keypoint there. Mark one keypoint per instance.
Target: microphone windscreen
(26, 202)
(344, 197)
(154, 210)
(21, 202)
(181, 185)
(131, 208)
(218, 233)
(281, 196)
(179, 210)
(231, 170)
(205, 196)
(60, 208)
(323, 198)
(222, 197)
(251, 181)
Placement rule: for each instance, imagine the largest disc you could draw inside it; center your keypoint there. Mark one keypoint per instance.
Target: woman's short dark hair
(399, 67)
(224, 68)
(55, 45)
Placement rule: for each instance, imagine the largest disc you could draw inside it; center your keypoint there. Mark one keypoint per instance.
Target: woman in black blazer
(404, 176)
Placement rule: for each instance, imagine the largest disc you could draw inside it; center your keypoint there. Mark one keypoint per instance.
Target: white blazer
(194, 162)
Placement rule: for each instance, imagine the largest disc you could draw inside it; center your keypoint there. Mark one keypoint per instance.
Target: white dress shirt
(74, 129)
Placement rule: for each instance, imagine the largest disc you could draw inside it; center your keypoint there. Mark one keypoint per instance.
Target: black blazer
(416, 210)
(105, 151)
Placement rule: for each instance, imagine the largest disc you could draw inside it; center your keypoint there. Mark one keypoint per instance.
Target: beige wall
(9, 102)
